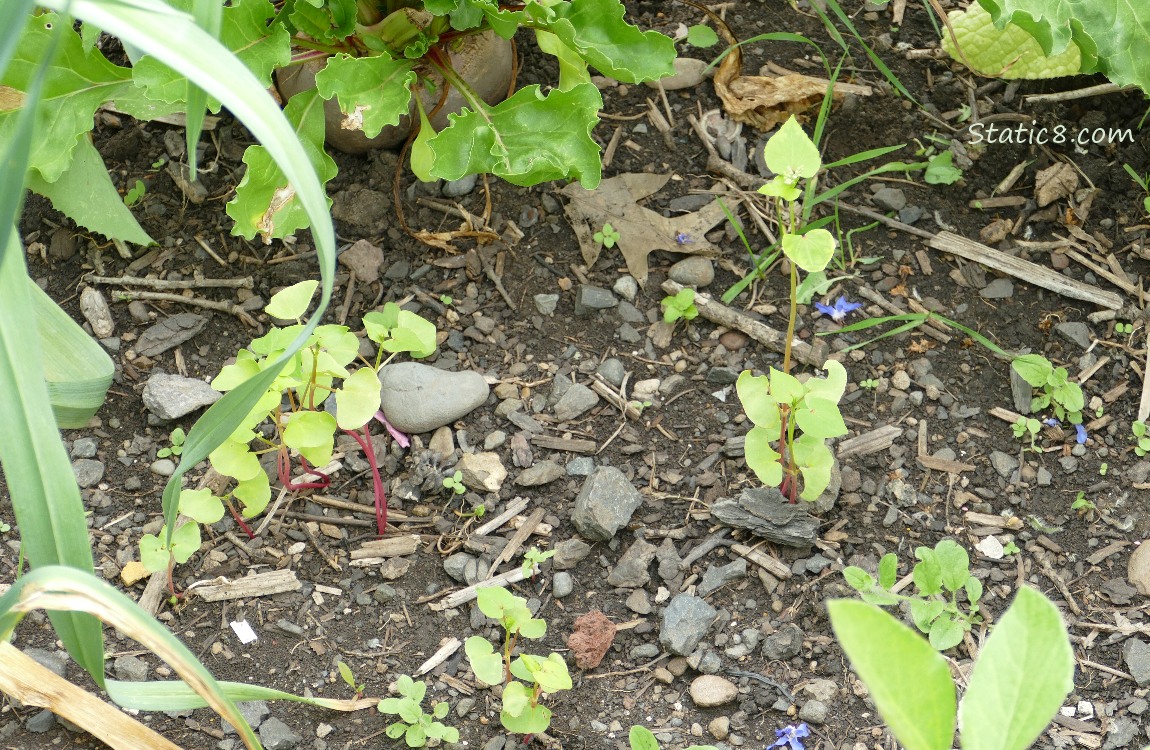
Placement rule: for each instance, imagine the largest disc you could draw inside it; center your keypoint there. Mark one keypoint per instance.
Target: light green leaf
(923, 612)
(388, 705)
(820, 417)
(641, 738)
(266, 202)
(1024, 672)
(527, 139)
(410, 711)
(244, 30)
(940, 170)
(858, 579)
(202, 506)
(291, 303)
(357, 401)
(516, 698)
(785, 388)
(1034, 369)
(761, 407)
(888, 570)
(422, 158)
(254, 493)
(909, 681)
(312, 433)
(1008, 52)
(945, 632)
(86, 194)
(412, 334)
(185, 542)
(595, 28)
(415, 736)
(928, 572)
(396, 730)
(572, 67)
(235, 460)
(762, 458)
(439, 710)
(781, 187)
(816, 462)
(833, 385)
(154, 556)
(791, 153)
(75, 85)
(811, 251)
(973, 588)
(485, 662)
(954, 563)
(701, 36)
(372, 91)
(532, 720)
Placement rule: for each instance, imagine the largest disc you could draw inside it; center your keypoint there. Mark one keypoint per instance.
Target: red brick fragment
(593, 635)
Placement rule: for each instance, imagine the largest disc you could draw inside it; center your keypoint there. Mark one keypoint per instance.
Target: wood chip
(943, 464)
(875, 440)
(517, 540)
(1107, 551)
(948, 242)
(447, 647)
(573, 445)
(772, 565)
(463, 596)
(514, 508)
(259, 584)
(389, 546)
(985, 519)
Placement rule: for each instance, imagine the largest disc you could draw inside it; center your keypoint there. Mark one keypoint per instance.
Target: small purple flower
(1050, 422)
(1080, 435)
(839, 310)
(683, 238)
(789, 736)
(396, 435)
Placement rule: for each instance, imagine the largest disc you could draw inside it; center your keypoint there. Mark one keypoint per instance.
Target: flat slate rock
(169, 333)
(766, 513)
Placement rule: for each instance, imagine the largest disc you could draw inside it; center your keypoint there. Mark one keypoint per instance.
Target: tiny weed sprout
(939, 575)
(1124, 328)
(1144, 183)
(1105, 467)
(839, 310)
(522, 712)
(1010, 548)
(940, 170)
(641, 738)
(455, 483)
(869, 383)
(177, 444)
(348, 677)
(1081, 505)
(680, 306)
(135, 194)
(414, 726)
(532, 558)
(446, 299)
(607, 236)
(1027, 426)
(1142, 444)
(791, 737)
(5, 527)
(1055, 388)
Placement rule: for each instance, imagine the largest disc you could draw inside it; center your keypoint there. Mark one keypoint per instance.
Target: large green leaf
(84, 192)
(243, 31)
(266, 202)
(372, 91)
(1109, 33)
(1009, 52)
(595, 29)
(75, 84)
(527, 139)
(909, 681)
(1024, 672)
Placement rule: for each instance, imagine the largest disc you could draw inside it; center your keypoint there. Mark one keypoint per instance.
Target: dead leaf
(641, 230)
(1054, 183)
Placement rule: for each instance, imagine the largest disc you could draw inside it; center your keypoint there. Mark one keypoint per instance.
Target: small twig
(159, 284)
(207, 249)
(207, 304)
(1086, 93)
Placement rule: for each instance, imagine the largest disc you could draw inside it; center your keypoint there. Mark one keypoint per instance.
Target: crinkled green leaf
(940, 170)
(85, 193)
(312, 433)
(75, 85)
(527, 139)
(572, 67)
(791, 153)
(954, 563)
(1034, 369)
(244, 31)
(920, 711)
(945, 632)
(1010, 51)
(265, 202)
(596, 29)
(887, 570)
(924, 612)
(1023, 673)
(201, 506)
(372, 92)
(357, 400)
(928, 572)
(332, 20)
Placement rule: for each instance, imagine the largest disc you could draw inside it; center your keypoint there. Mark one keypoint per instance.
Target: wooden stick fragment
(517, 540)
(160, 284)
(260, 584)
(514, 508)
(515, 575)
(716, 312)
(23, 678)
(772, 565)
(875, 440)
(948, 242)
(207, 304)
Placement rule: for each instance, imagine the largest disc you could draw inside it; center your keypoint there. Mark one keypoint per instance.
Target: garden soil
(947, 465)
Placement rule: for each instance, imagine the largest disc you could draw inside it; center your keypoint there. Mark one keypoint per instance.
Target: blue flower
(683, 238)
(1050, 422)
(790, 736)
(839, 310)
(1081, 434)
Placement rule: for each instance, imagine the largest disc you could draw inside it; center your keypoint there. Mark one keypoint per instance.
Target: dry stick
(1061, 586)
(159, 284)
(1065, 96)
(517, 541)
(716, 312)
(206, 304)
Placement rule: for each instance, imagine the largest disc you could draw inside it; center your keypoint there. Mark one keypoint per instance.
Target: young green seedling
(532, 558)
(607, 236)
(177, 438)
(1055, 388)
(680, 306)
(1010, 548)
(868, 383)
(1027, 426)
(135, 194)
(938, 576)
(1138, 429)
(1082, 506)
(455, 483)
(348, 677)
(522, 713)
(641, 738)
(414, 725)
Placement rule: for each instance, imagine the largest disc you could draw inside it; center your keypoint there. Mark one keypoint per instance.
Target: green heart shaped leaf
(811, 251)
(357, 401)
(291, 303)
(201, 505)
(312, 433)
(791, 153)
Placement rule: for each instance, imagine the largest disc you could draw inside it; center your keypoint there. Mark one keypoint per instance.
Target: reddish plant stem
(376, 480)
(239, 519)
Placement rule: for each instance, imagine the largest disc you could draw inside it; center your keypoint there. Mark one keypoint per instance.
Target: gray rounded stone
(88, 471)
(172, 396)
(685, 621)
(711, 690)
(813, 712)
(694, 270)
(562, 585)
(419, 398)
